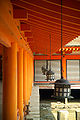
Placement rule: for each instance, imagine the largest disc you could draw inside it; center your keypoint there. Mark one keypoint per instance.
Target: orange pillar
(28, 79)
(64, 66)
(20, 82)
(10, 82)
(31, 69)
(29, 76)
(25, 77)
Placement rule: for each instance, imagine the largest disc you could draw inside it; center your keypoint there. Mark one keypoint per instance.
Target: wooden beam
(28, 34)
(25, 26)
(20, 14)
(8, 28)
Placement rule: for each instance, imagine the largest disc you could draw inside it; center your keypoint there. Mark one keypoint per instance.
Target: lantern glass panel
(56, 89)
(65, 89)
(68, 89)
(60, 89)
(56, 93)
(68, 94)
(65, 94)
(60, 94)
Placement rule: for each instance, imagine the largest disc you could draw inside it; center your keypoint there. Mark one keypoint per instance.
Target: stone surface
(34, 107)
(77, 114)
(63, 115)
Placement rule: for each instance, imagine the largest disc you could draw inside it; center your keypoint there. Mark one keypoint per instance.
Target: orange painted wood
(25, 26)
(29, 76)
(29, 73)
(28, 34)
(10, 82)
(64, 67)
(9, 31)
(25, 77)
(43, 57)
(20, 82)
(32, 76)
(20, 14)
(28, 80)
(55, 57)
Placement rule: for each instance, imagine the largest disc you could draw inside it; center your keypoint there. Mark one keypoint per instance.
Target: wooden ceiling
(44, 18)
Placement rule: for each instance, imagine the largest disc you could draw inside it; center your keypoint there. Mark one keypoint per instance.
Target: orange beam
(25, 27)
(28, 34)
(42, 57)
(55, 57)
(20, 14)
(8, 29)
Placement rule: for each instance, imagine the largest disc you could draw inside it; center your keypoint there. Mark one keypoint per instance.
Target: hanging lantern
(50, 75)
(62, 89)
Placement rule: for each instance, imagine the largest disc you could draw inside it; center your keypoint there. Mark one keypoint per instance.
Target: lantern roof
(50, 72)
(62, 81)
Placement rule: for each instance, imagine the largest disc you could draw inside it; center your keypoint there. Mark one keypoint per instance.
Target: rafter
(33, 3)
(21, 4)
(57, 27)
(48, 1)
(48, 20)
(53, 23)
(54, 28)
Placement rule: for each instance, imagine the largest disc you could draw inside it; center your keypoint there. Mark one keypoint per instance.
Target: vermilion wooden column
(64, 66)
(10, 83)
(31, 70)
(25, 77)
(20, 82)
(29, 76)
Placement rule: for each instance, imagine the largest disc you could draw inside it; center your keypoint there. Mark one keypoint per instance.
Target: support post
(25, 77)
(10, 82)
(20, 82)
(64, 66)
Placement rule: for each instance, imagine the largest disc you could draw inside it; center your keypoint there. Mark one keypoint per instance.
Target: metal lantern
(44, 70)
(62, 89)
(50, 75)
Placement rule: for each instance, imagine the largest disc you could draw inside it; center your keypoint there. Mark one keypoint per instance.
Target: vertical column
(28, 78)
(10, 83)
(64, 66)
(25, 77)
(20, 82)
(31, 73)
